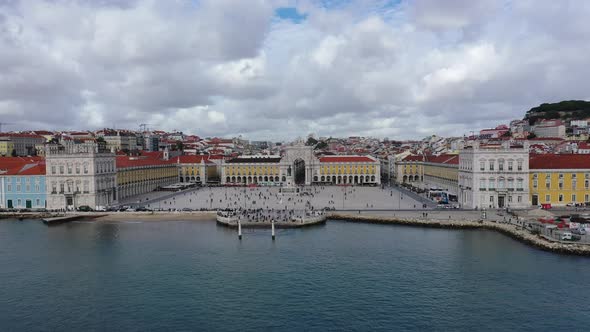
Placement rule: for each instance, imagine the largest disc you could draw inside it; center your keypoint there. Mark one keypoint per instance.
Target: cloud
(401, 69)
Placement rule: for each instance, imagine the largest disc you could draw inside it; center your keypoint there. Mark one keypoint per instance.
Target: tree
(321, 145)
(13, 152)
(311, 141)
(179, 146)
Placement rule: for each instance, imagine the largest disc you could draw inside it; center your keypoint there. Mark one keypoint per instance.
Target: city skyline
(281, 69)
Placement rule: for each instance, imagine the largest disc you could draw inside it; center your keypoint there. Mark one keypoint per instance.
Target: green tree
(179, 146)
(321, 145)
(311, 141)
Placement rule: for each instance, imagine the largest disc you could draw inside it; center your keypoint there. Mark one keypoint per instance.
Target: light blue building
(23, 187)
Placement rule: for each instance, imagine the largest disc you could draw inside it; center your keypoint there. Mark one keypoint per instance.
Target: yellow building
(138, 175)
(559, 179)
(6, 147)
(348, 170)
(430, 172)
(409, 169)
(252, 170)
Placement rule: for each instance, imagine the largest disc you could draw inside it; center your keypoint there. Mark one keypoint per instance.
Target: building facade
(23, 186)
(23, 144)
(494, 176)
(137, 175)
(559, 179)
(6, 147)
(80, 174)
(300, 166)
(195, 169)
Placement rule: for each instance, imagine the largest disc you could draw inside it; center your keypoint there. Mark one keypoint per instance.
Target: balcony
(519, 189)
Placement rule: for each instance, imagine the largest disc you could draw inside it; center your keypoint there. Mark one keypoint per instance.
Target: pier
(260, 218)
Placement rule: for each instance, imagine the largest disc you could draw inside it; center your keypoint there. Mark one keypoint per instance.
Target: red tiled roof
(23, 166)
(145, 159)
(449, 159)
(42, 132)
(20, 135)
(38, 169)
(6, 162)
(346, 159)
(559, 161)
(194, 159)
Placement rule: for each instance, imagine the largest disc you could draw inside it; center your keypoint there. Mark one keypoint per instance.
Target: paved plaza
(311, 197)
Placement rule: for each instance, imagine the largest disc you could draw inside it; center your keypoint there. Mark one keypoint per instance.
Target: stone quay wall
(512, 231)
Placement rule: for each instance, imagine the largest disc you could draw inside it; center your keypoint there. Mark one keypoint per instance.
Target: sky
(282, 69)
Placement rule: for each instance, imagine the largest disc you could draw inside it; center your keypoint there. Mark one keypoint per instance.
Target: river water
(197, 276)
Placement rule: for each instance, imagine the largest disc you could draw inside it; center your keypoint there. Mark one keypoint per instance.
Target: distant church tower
(166, 154)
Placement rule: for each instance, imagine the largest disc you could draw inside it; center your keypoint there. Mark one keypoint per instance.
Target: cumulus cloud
(230, 67)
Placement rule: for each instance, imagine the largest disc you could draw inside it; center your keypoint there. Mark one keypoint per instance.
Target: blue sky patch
(290, 13)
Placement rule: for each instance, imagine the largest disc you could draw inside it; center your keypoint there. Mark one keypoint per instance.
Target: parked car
(130, 209)
(579, 231)
(101, 208)
(85, 208)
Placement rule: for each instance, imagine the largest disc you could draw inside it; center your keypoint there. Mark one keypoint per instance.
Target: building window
(586, 184)
(510, 162)
(492, 184)
(85, 168)
(519, 199)
(53, 169)
(482, 184)
(500, 165)
(9, 187)
(547, 198)
(28, 188)
(491, 199)
(509, 199)
(574, 184)
(573, 198)
(77, 168)
(37, 202)
(501, 183)
(69, 168)
(19, 203)
(61, 169)
(519, 167)
(560, 184)
(18, 188)
(535, 184)
(519, 184)
(586, 198)
(561, 197)
(86, 186)
(61, 187)
(491, 165)
(53, 188)
(510, 183)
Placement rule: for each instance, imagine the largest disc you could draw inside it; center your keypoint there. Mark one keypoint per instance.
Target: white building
(550, 128)
(494, 176)
(80, 174)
